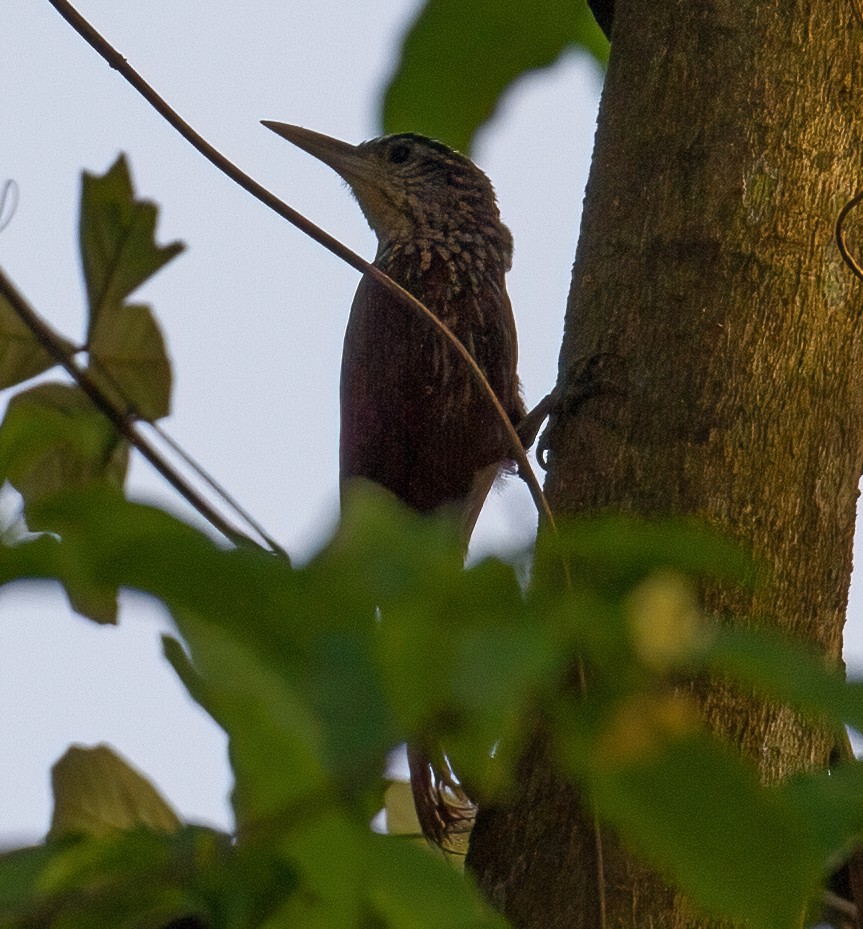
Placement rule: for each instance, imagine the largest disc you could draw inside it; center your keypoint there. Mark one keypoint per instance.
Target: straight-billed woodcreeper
(413, 418)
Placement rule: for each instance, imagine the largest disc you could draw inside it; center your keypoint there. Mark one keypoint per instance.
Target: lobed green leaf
(117, 239)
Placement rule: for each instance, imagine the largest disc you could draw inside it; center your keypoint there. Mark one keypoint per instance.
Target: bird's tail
(445, 812)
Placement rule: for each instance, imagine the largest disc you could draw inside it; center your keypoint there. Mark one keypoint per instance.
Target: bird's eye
(400, 153)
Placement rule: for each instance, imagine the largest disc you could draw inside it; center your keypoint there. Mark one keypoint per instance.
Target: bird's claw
(586, 378)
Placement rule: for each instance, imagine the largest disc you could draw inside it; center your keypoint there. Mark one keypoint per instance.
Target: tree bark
(723, 335)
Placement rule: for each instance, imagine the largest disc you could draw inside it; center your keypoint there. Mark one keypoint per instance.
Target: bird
(413, 418)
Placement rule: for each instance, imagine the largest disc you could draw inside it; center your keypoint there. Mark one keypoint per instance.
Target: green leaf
(305, 677)
(785, 672)
(147, 548)
(93, 602)
(276, 742)
(330, 853)
(459, 57)
(462, 663)
(286, 662)
(124, 879)
(96, 793)
(697, 812)
(409, 887)
(129, 362)
(613, 553)
(117, 238)
(53, 439)
(351, 877)
(20, 872)
(21, 355)
(832, 802)
(315, 672)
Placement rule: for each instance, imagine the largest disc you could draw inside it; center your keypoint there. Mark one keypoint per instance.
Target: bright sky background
(253, 314)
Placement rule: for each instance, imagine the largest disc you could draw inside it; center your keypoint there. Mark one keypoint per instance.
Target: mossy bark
(724, 335)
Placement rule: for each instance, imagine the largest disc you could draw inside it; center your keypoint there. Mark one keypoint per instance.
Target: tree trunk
(723, 336)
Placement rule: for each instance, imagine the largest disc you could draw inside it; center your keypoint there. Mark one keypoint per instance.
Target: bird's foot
(586, 378)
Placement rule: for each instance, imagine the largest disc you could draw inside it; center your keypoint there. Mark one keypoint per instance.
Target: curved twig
(119, 63)
(8, 195)
(847, 257)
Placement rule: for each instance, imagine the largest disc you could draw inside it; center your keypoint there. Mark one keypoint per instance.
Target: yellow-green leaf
(400, 810)
(96, 793)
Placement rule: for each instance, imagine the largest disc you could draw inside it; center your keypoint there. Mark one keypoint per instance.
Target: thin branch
(847, 257)
(119, 63)
(217, 488)
(121, 421)
(194, 465)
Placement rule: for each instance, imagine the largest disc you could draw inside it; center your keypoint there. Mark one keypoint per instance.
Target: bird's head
(409, 187)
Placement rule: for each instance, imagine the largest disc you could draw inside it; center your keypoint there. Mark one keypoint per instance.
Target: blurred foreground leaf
(316, 672)
(697, 813)
(460, 56)
(123, 880)
(787, 673)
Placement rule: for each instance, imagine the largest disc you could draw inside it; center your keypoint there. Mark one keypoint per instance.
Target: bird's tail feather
(445, 812)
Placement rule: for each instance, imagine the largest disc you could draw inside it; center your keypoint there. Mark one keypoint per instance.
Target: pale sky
(253, 314)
